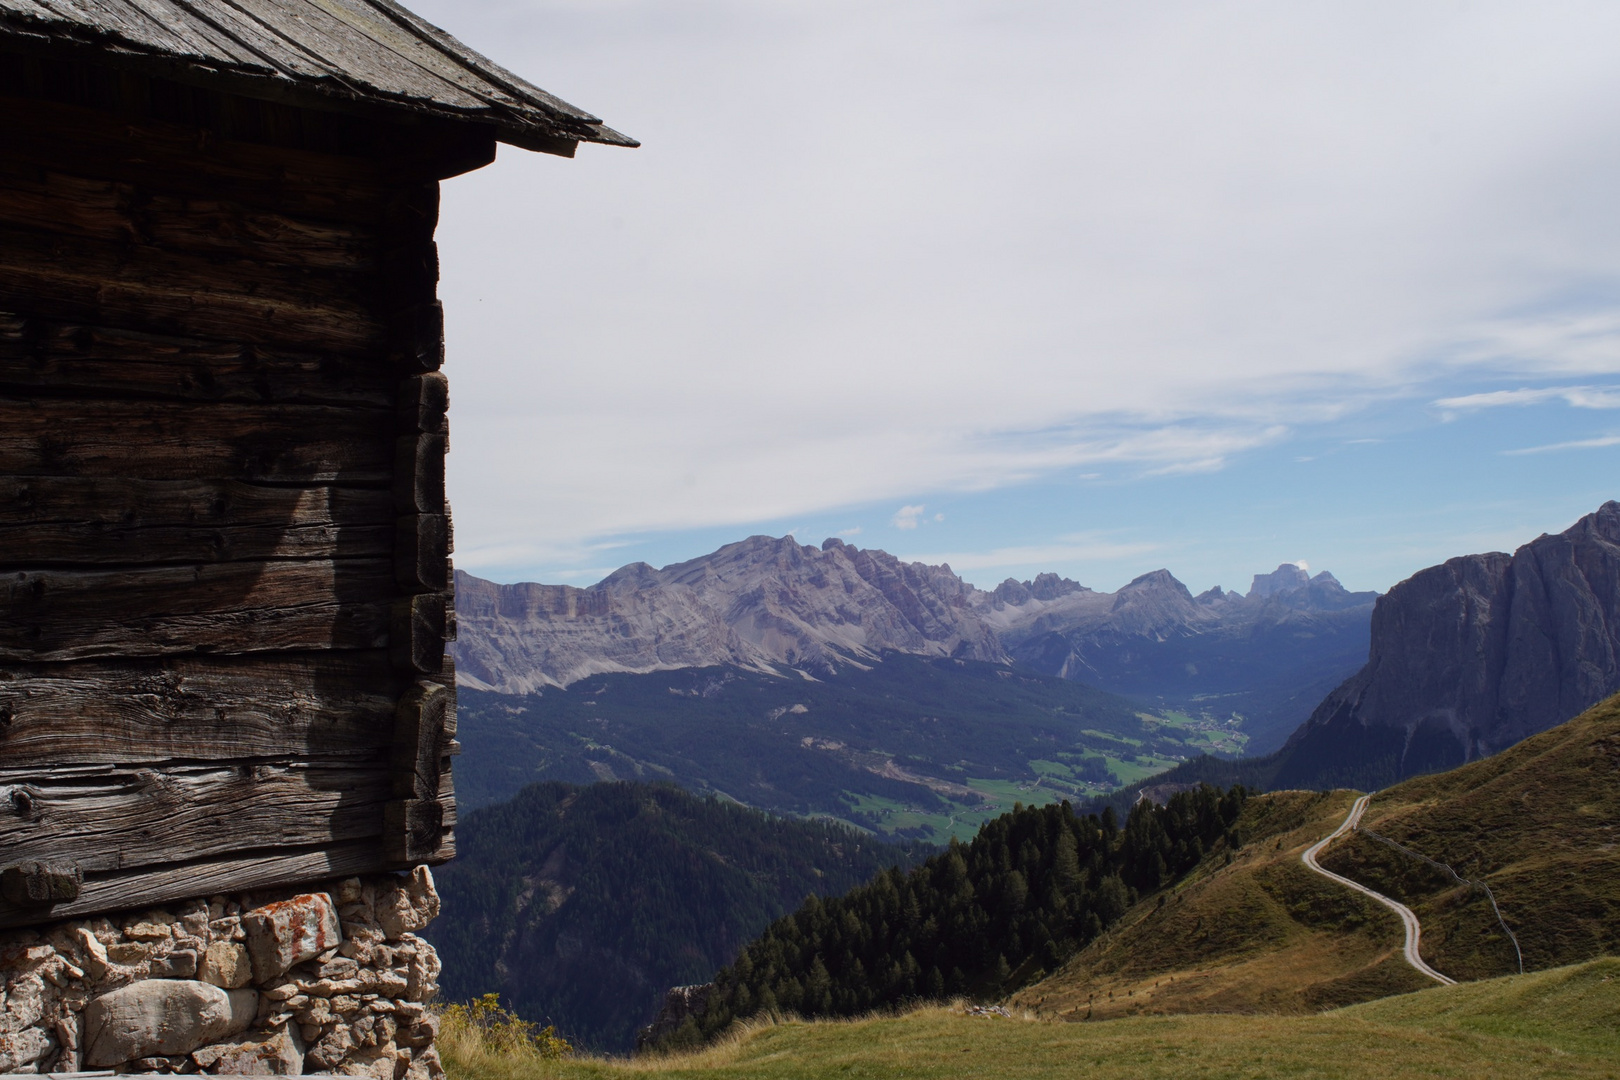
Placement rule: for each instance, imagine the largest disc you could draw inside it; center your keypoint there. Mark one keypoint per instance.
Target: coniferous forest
(979, 919)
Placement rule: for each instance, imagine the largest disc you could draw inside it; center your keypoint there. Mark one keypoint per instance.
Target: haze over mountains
(773, 604)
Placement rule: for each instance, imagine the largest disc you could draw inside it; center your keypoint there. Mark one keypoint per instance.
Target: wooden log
(138, 287)
(418, 473)
(48, 520)
(255, 869)
(176, 159)
(170, 441)
(412, 830)
(424, 722)
(424, 404)
(115, 210)
(213, 708)
(416, 337)
(409, 272)
(416, 633)
(102, 819)
(224, 608)
(94, 361)
(422, 553)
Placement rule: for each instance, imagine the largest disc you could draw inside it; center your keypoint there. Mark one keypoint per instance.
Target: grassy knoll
(1559, 1023)
(1257, 934)
(1539, 823)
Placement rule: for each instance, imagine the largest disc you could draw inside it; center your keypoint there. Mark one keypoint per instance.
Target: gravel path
(1414, 932)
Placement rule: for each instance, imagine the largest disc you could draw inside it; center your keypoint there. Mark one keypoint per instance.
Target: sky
(1090, 288)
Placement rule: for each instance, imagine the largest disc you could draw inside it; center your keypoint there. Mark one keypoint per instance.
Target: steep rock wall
(1470, 657)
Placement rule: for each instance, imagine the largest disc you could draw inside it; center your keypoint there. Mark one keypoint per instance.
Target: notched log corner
(40, 884)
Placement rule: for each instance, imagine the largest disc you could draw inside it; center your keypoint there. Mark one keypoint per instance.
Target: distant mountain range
(1467, 658)
(774, 605)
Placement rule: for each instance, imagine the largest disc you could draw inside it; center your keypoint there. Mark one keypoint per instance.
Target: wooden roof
(318, 53)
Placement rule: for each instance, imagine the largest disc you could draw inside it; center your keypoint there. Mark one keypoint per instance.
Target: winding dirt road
(1414, 932)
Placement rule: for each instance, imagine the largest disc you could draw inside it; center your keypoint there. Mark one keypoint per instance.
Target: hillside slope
(1539, 823)
(1558, 1023)
(581, 905)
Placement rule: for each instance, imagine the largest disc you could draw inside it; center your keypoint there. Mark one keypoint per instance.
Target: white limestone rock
(162, 1017)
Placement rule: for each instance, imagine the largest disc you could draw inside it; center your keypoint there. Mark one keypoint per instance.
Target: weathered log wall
(224, 541)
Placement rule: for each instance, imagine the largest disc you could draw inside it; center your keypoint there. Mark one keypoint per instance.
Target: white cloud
(1578, 444)
(1177, 234)
(906, 517)
(1580, 397)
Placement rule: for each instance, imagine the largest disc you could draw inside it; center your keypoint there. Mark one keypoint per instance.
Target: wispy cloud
(1577, 444)
(907, 516)
(1580, 397)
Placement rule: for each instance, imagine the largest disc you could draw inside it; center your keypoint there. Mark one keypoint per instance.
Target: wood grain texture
(250, 869)
(129, 817)
(422, 553)
(419, 474)
(142, 288)
(416, 633)
(223, 608)
(212, 708)
(424, 403)
(424, 723)
(69, 359)
(169, 441)
(55, 520)
(117, 210)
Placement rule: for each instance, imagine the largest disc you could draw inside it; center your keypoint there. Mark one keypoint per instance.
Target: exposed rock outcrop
(759, 603)
(1470, 657)
(773, 604)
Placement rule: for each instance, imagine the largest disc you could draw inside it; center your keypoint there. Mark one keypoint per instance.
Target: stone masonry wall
(276, 982)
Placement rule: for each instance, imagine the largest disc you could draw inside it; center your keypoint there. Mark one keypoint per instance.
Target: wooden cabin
(224, 540)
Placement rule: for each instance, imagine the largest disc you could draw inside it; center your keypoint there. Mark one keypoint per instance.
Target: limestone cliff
(1471, 656)
(760, 603)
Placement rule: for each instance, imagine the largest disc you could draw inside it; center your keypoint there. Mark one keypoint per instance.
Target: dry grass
(1561, 1023)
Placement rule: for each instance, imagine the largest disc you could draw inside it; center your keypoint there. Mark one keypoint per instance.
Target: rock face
(770, 604)
(1470, 657)
(759, 603)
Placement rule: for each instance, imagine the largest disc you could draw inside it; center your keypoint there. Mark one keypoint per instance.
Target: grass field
(1559, 1023)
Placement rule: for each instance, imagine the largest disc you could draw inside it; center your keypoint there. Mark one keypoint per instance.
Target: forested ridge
(581, 905)
(979, 919)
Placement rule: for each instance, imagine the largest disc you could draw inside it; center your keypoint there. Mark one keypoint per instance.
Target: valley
(919, 748)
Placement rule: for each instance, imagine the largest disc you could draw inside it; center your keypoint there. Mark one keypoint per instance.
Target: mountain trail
(1414, 931)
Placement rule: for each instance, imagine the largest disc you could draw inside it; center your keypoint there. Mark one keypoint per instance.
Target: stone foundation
(277, 982)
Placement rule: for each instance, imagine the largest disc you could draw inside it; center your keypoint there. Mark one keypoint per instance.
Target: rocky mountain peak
(1045, 587)
(1286, 578)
